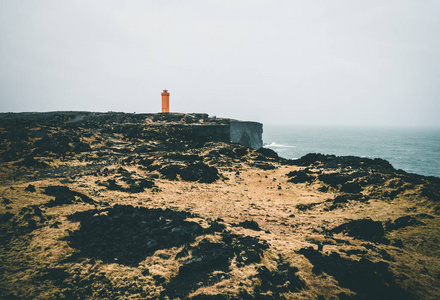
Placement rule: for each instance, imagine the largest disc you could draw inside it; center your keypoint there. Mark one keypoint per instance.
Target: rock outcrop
(249, 134)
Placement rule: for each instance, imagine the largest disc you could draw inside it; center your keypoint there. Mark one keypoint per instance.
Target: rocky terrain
(125, 206)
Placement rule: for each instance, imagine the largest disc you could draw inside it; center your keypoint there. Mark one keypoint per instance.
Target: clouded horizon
(352, 63)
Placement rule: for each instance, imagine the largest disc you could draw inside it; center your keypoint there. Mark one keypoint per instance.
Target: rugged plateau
(130, 206)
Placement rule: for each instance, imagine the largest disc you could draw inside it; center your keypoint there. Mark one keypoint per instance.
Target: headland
(148, 206)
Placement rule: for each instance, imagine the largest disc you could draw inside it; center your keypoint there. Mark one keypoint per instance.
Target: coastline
(415, 150)
(122, 208)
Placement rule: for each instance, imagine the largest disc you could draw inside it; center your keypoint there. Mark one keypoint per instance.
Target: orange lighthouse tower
(165, 101)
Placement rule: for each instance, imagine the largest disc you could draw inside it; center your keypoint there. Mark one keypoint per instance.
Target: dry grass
(264, 196)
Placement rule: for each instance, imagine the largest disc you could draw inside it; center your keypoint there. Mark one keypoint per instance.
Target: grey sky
(350, 62)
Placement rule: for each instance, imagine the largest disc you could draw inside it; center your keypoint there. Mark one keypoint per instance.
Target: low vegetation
(122, 206)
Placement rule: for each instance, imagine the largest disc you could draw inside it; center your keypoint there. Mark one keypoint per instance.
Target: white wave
(276, 145)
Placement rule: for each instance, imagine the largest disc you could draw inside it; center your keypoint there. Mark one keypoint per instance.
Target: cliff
(152, 206)
(184, 127)
(248, 134)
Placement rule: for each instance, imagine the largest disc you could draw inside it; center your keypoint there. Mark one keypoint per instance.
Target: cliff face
(184, 127)
(163, 206)
(249, 134)
(197, 128)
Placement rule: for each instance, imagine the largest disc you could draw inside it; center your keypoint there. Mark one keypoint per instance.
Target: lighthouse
(165, 101)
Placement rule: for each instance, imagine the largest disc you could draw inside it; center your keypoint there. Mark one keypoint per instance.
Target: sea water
(414, 150)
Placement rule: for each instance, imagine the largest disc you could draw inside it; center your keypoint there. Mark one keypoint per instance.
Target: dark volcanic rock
(207, 257)
(351, 187)
(113, 186)
(63, 195)
(346, 197)
(184, 157)
(127, 235)
(365, 229)
(5, 217)
(60, 143)
(432, 192)
(283, 280)
(240, 151)
(6, 201)
(268, 153)
(402, 222)
(342, 200)
(334, 179)
(199, 171)
(372, 179)
(250, 225)
(299, 177)
(57, 275)
(28, 219)
(135, 185)
(210, 262)
(246, 248)
(234, 151)
(263, 166)
(30, 188)
(333, 161)
(367, 279)
(305, 207)
(31, 162)
(82, 287)
(210, 297)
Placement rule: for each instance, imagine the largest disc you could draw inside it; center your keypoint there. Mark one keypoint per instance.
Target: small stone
(30, 188)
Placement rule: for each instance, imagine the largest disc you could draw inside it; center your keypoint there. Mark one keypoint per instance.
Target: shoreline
(413, 151)
(111, 208)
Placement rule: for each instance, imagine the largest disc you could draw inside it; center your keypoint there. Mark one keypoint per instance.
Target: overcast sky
(351, 62)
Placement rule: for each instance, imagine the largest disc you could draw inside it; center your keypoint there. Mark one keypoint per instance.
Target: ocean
(413, 150)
